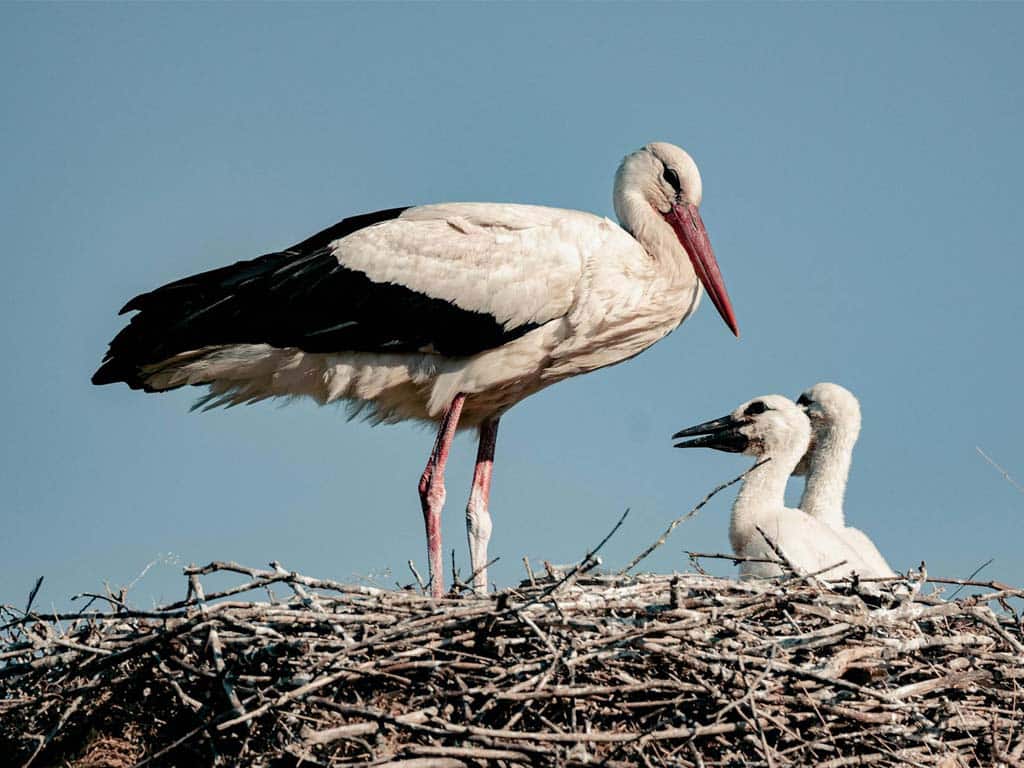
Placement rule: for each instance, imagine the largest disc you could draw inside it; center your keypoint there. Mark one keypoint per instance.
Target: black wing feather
(302, 298)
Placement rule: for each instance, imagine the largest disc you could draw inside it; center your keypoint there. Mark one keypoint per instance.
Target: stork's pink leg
(432, 491)
(478, 517)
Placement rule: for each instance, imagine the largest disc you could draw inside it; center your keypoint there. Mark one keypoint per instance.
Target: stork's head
(770, 425)
(835, 418)
(658, 192)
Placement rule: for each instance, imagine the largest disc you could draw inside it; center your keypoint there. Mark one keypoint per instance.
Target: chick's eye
(755, 408)
(672, 178)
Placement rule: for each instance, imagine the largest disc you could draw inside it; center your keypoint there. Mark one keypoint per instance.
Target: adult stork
(450, 313)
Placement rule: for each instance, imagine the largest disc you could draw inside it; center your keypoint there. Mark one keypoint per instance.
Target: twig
(416, 575)
(109, 598)
(683, 518)
(778, 552)
(734, 558)
(826, 569)
(484, 567)
(529, 570)
(974, 573)
(589, 561)
(32, 595)
(44, 742)
(216, 648)
(1001, 471)
(308, 599)
(183, 739)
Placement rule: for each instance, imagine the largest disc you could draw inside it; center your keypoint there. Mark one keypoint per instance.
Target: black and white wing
(450, 279)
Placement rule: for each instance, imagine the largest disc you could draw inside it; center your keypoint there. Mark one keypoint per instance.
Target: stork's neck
(649, 228)
(827, 475)
(763, 490)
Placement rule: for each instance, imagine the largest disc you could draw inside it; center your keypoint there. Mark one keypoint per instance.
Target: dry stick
(409, 721)
(109, 598)
(924, 578)
(216, 648)
(1006, 757)
(695, 564)
(32, 595)
(135, 649)
(984, 616)
(309, 599)
(529, 571)
(996, 585)
(329, 735)
(778, 552)
(661, 539)
(187, 700)
(974, 573)
(692, 747)
(735, 558)
(416, 574)
(477, 753)
(181, 740)
(292, 695)
(589, 561)
(826, 569)
(596, 737)
(272, 576)
(1002, 471)
(236, 590)
(751, 688)
(44, 742)
(483, 567)
(758, 727)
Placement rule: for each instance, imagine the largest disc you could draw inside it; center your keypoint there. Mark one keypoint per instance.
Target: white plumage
(772, 427)
(596, 294)
(450, 313)
(835, 419)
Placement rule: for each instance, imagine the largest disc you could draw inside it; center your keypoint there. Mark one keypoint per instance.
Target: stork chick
(772, 427)
(834, 414)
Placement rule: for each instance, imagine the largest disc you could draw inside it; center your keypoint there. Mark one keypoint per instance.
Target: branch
(661, 539)
(589, 561)
(1002, 471)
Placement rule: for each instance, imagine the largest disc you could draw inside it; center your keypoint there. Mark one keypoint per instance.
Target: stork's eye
(672, 178)
(803, 400)
(755, 408)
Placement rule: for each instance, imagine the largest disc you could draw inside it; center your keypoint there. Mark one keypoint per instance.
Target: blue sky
(862, 173)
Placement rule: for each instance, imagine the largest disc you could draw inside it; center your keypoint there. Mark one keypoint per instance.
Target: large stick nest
(566, 670)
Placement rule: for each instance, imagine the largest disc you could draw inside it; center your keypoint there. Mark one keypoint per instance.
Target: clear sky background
(863, 188)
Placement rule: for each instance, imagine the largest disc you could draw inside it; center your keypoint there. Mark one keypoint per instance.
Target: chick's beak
(720, 434)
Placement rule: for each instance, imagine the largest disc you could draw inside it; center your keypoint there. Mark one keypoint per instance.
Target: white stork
(773, 427)
(835, 425)
(449, 313)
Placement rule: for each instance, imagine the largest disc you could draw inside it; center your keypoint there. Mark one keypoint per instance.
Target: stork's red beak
(685, 220)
